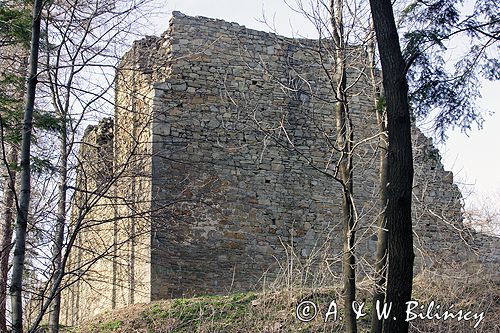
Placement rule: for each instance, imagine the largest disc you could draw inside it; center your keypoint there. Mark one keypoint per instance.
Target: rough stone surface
(224, 150)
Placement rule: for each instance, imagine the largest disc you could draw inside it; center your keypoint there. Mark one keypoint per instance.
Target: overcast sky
(474, 159)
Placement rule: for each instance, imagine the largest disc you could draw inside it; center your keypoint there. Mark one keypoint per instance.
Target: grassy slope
(275, 311)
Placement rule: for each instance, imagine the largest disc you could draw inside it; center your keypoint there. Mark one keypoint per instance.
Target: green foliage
(154, 313)
(41, 165)
(110, 326)
(9, 79)
(47, 121)
(188, 314)
(381, 103)
(446, 84)
(15, 29)
(15, 22)
(11, 116)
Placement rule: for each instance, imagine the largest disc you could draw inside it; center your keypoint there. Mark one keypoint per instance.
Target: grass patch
(207, 313)
(110, 326)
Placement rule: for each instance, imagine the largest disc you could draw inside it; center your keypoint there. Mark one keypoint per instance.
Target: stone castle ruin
(215, 174)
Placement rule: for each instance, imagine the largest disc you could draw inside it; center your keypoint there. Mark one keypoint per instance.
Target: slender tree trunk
(132, 261)
(6, 242)
(25, 178)
(381, 256)
(348, 258)
(348, 218)
(400, 167)
(59, 234)
(344, 141)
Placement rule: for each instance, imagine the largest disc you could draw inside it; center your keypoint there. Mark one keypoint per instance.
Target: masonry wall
(224, 149)
(113, 248)
(92, 215)
(243, 158)
(132, 159)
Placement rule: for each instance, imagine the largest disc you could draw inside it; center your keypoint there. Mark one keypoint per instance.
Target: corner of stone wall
(97, 146)
(103, 131)
(439, 221)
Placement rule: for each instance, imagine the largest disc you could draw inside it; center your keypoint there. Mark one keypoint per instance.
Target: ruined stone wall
(237, 138)
(133, 156)
(113, 248)
(92, 208)
(243, 153)
(224, 149)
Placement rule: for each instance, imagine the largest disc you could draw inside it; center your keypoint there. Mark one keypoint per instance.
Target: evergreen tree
(454, 45)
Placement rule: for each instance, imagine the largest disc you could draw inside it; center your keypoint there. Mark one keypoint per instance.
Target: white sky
(474, 159)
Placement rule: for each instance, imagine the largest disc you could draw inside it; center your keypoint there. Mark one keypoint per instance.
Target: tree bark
(400, 167)
(344, 142)
(381, 255)
(6, 242)
(61, 224)
(25, 177)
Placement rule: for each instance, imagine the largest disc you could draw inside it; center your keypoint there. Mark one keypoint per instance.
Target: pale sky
(474, 159)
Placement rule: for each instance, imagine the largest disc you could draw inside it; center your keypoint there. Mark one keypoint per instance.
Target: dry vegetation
(274, 311)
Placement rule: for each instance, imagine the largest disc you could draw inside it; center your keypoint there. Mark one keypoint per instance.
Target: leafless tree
(381, 255)
(83, 44)
(346, 28)
(25, 177)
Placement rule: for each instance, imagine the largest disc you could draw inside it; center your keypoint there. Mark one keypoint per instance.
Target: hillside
(275, 311)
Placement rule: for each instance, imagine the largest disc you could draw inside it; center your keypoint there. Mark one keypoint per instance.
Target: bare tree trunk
(25, 193)
(61, 224)
(344, 141)
(400, 167)
(381, 256)
(6, 242)
(348, 259)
